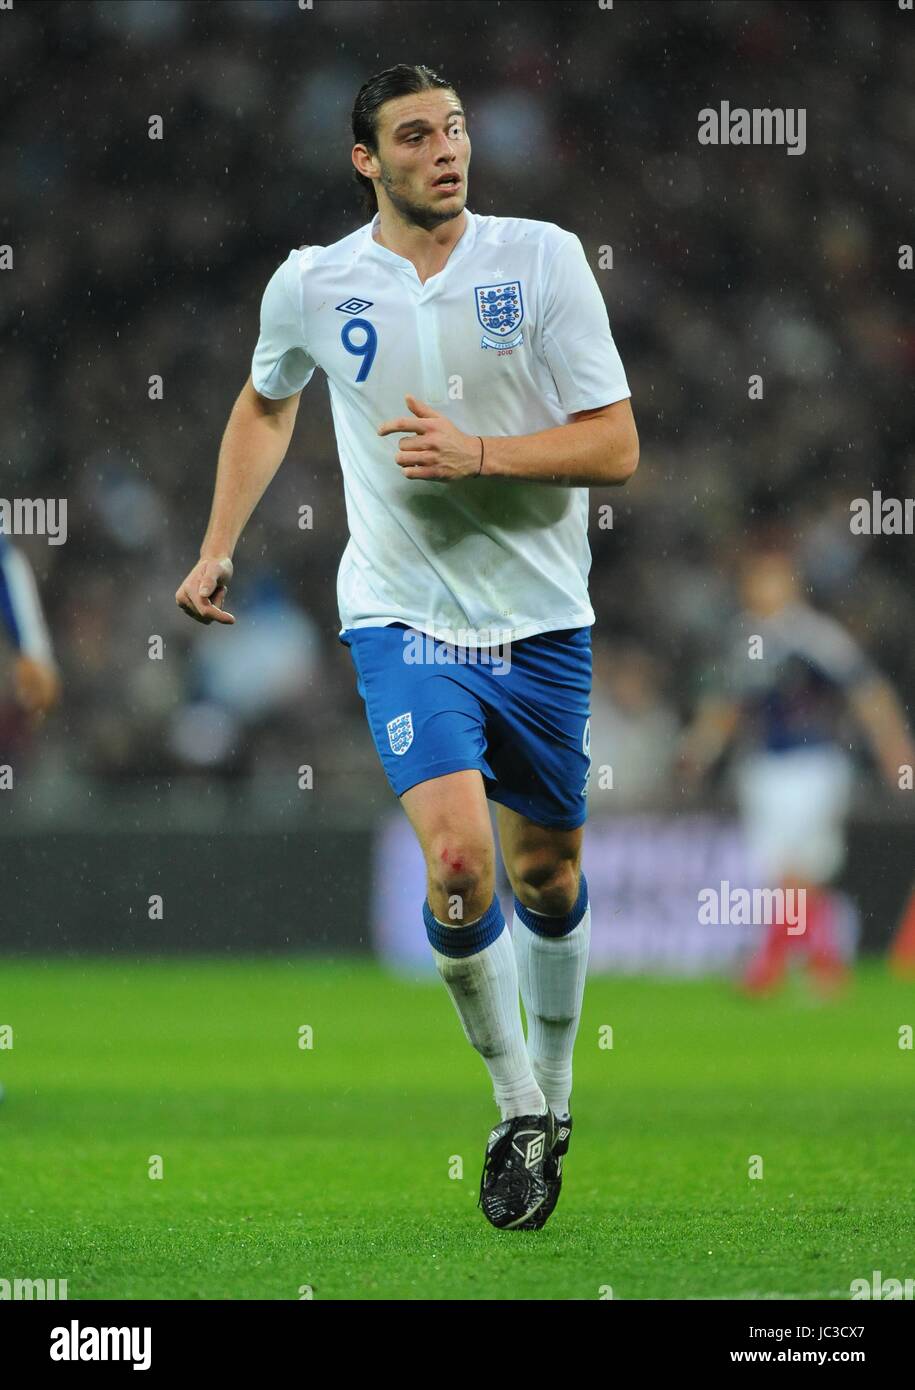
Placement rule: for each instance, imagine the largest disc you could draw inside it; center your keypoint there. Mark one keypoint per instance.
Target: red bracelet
(480, 469)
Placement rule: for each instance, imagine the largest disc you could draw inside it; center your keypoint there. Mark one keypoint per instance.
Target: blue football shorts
(520, 714)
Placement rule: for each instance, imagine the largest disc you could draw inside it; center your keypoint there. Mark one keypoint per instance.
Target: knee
(547, 883)
(460, 870)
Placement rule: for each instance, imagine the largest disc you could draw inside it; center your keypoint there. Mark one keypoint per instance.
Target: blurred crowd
(136, 258)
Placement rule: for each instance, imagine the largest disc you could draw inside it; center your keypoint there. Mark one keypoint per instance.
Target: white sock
(484, 988)
(551, 973)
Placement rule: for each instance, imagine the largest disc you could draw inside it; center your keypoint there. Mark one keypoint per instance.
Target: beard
(417, 214)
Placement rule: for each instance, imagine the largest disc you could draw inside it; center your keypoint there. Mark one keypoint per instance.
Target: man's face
(421, 139)
(768, 584)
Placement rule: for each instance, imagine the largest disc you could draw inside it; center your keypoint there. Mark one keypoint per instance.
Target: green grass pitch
(286, 1168)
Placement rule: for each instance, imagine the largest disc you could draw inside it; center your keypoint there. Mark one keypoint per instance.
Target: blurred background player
(35, 684)
(786, 710)
(35, 678)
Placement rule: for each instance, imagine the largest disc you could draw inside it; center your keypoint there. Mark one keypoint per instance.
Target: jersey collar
(383, 253)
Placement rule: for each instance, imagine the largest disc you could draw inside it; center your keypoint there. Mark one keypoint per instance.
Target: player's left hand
(440, 452)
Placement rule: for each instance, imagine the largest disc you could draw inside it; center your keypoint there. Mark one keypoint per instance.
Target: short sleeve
(577, 342)
(281, 365)
(835, 652)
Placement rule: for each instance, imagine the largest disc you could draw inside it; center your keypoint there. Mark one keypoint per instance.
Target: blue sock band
(555, 926)
(465, 941)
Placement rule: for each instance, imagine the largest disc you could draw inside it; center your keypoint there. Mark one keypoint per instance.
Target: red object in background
(902, 951)
(818, 944)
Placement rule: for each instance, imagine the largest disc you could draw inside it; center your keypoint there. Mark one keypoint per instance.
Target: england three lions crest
(500, 310)
(400, 732)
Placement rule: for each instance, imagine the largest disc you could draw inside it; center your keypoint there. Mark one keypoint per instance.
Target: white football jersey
(510, 338)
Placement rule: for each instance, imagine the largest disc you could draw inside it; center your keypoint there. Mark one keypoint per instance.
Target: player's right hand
(203, 593)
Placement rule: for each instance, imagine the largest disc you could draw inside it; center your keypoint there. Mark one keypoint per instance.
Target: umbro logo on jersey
(400, 732)
(563, 1134)
(355, 306)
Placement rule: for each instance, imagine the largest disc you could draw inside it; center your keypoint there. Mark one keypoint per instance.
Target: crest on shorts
(400, 732)
(500, 310)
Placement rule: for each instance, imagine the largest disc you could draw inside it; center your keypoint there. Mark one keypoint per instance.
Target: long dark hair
(401, 80)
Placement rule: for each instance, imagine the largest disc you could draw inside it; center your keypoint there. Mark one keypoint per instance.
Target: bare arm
(253, 447)
(598, 448)
(880, 714)
(709, 735)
